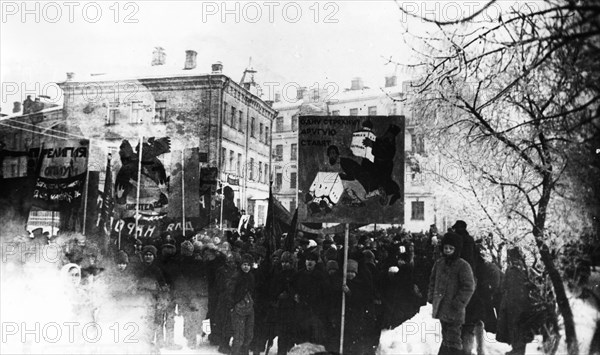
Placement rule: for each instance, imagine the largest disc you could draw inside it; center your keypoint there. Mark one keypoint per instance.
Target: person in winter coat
(282, 295)
(474, 310)
(310, 294)
(488, 285)
(400, 294)
(213, 260)
(450, 288)
(152, 283)
(515, 301)
(358, 326)
(224, 288)
(191, 292)
(241, 307)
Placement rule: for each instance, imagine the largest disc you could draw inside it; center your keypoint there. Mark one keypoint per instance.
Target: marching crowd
(253, 289)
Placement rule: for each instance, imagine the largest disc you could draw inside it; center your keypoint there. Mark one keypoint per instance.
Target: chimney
(277, 97)
(390, 81)
(16, 107)
(70, 76)
(190, 60)
(300, 93)
(159, 57)
(357, 84)
(217, 68)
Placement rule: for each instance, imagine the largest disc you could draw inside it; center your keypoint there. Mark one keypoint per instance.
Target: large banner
(62, 173)
(351, 169)
(167, 182)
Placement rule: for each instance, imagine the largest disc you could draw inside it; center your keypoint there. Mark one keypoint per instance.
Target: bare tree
(518, 96)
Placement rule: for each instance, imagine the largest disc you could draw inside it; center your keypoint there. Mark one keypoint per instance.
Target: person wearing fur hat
(152, 283)
(190, 287)
(359, 324)
(474, 312)
(451, 286)
(399, 292)
(515, 302)
(224, 286)
(241, 306)
(334, 305)
(310, 287)
(171, 269)
(281, 294)
(122, 260)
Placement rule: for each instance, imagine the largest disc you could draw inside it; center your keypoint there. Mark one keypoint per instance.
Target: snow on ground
(422, 334)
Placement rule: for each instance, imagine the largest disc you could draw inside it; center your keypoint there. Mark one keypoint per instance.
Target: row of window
(279, 124)
(371, 111)
(136, 111)
(278, 183)
(257, 171)
(235, 119)
(278, 153)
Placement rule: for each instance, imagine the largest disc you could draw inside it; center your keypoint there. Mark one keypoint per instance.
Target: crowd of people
(253, 289)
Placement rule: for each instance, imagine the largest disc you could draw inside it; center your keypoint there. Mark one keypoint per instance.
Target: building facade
(358, 100)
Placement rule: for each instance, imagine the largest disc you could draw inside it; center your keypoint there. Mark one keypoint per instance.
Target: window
(241, 121)
(293, 205)
(294, 153)
(260, 133)
(278, 180)
(266, 136)
(223, 157)
(231, 158)
(239, 165)
(353, 112)
(260, 171)
(136, 112)
(113, 111)
(294, 123)
(232, 117)
(335, 112)
(225, 117)
(160, 111)
(251, 169)
(279, 124)
(266, 177)
(253, 122)
(417, 211)
(278, 152)
(293, 180)
(417, 143)
(372, 110)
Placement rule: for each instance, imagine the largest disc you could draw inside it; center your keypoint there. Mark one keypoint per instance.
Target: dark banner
(351, 169)
(151, 229)
(62, 172)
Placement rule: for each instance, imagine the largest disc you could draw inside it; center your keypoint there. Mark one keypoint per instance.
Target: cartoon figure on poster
(154, 183)
(358, 182)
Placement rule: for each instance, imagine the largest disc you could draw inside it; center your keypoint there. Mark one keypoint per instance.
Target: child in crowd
(450, 288)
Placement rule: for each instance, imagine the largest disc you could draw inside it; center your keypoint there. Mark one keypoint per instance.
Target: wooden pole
(345, 273)
(87, 188)
(139, 185)
(183, 190)
(222, 201)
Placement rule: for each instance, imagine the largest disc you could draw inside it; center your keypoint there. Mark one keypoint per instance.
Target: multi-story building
(358, 100)
(223, 122)
(192, 123)
(20, 134)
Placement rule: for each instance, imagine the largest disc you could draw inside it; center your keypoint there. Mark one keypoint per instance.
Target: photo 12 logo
(450, 11)
(69, 332)
(271, 11)
(69, 12)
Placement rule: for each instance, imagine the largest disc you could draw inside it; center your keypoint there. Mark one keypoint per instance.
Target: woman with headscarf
(515, 302)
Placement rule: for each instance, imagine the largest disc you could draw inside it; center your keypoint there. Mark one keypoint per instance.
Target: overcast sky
(323, 42)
